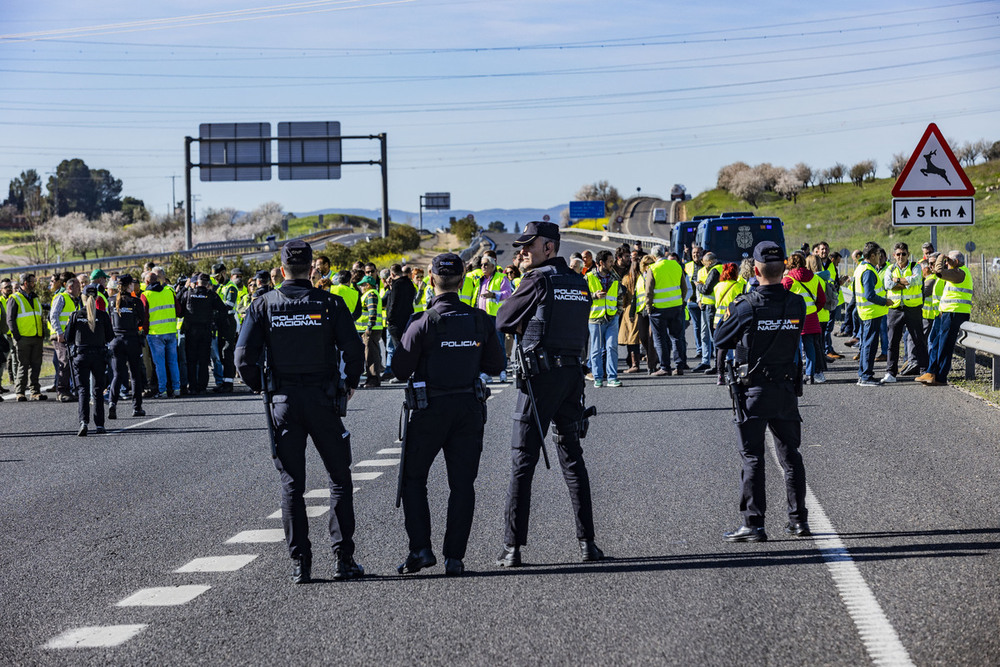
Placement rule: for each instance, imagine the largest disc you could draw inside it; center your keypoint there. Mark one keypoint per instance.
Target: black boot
(301, 570)
(416, 561)
(346, 568)
(590, 551)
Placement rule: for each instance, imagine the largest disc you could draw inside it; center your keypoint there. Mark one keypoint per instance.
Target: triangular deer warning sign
(933, 170)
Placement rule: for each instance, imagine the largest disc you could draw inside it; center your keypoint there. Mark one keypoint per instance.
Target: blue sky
(503, 103)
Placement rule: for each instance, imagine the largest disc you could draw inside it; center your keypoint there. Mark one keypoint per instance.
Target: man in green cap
(99, 278)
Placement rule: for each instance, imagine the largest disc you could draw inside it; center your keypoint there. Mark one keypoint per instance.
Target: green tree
(71, 188)
(496, 226)
(134, 209)
(464, 228)
(25, 191)
(107, 192)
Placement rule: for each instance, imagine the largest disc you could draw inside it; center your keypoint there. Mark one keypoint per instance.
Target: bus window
(733, 239)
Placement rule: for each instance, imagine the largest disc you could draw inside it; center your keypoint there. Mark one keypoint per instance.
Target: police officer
(128, 320)
(445, 348)
(202, 307)
(298, 333)
(88, 333)
(550, 309)
(764, 326)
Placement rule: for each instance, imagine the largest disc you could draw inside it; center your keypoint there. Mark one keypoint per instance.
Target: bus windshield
(684, 235)
(733, 239)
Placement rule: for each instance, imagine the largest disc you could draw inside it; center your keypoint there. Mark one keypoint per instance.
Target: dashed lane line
(255, 536)
(218, 563)
(95, 636)
(877, 634)
(163, 596)
(376, 463)
(143, 423)
(389, 450)
(311, 510)
(364, 476)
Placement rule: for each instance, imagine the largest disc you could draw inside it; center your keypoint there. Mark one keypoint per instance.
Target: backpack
(832, 295)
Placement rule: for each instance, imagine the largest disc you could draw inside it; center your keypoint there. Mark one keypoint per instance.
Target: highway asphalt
(903, 572)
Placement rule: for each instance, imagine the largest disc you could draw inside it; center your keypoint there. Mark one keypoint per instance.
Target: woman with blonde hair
(88, 333)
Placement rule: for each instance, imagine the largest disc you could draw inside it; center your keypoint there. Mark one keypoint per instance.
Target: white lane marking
(376, 463)
(253, 536)
(389, 450)
(143, 423)
(163, 596)
(877, 634)
(490, 397)
(325, 493)
(217, 563)
(95, 636)
(364, 476)
(311, 510)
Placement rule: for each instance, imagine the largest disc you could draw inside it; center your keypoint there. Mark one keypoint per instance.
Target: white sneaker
(819, 378)
(888, 379)
(503, 376)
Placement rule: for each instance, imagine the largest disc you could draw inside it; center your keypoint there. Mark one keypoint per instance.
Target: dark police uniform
(764, 327)
(202, 307)
(551, 306)
(304, 331)
(90, 359)
(446, 347)
(127, 316)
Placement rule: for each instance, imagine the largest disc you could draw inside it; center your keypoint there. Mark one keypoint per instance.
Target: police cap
(768, 251)
(534, 229)
(263, 275)
(204, 278)
(218, 267)
(90, 290)
(296, 253)
(125, 280)
(236, 272)
(447, 264)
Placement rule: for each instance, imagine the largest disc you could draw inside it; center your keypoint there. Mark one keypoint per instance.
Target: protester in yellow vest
(801, 280)
(492, 289)
(64, 304)
(370, 324)
(730, 286)
(606, 295)
(27, 326)
(343, 288)
(705, 280)
(872, 307)
(956, 309)
(161, 306)
(666, 291)
(904, 284)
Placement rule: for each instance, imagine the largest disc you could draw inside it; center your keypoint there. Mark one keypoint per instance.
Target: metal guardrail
(213, 250)
(646, 241)
(975, 338)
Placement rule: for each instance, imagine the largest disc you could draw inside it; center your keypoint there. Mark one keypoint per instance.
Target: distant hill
(434, 219)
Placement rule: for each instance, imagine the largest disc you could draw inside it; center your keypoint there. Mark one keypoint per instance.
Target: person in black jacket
(88, 333)
(445, 348)
(201, 308)
(298, 333)
(129, 322)
(398, 310)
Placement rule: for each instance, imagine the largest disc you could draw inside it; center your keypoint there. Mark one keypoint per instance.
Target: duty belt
(435, 393)
(563, 361)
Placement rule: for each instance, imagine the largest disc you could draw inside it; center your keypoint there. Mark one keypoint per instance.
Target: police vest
(361, 324)
(469, 288)
(957, 298)
(124, 315)
(606, 307)
(68, 308)
(162, 313)
(866, 309)
(725, 293)
(348, 294)
(807, 290)
(456, 349)
(707, 299)
(667, 276)
(493, 285)
(300, 335)
(559, 324)
(29, 315)
(771, 346)
(932, 304)
(198, 309)
(912, 295)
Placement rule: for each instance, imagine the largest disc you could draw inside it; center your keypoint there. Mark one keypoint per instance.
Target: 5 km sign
(933, 189)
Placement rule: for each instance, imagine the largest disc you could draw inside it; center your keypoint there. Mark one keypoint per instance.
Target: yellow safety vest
(725, 292)
(606, 307)
(494, 285)
(932, 304)
(348, 294)
(361, 324)
(667, 276)
(29, 315)
(640, 294)
(69, 307)
(469, 289)
(866, 309)
(419, 304)
(807, 291)
(957, 298)
(822, 314)
(913, 294)
(162, 312)
(707, 299)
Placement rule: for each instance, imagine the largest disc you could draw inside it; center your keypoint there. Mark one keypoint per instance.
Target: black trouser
(87, 365)
(910, 318)
(127, 351)
(198, 341)
(668, 329)
(227, 352)
(307, 411)
(560, 401)
(454, 424)
(761, 406)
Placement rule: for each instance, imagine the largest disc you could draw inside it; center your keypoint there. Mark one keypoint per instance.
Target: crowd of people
(166, 337)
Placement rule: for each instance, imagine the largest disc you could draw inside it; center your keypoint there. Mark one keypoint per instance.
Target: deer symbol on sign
(933, 169)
